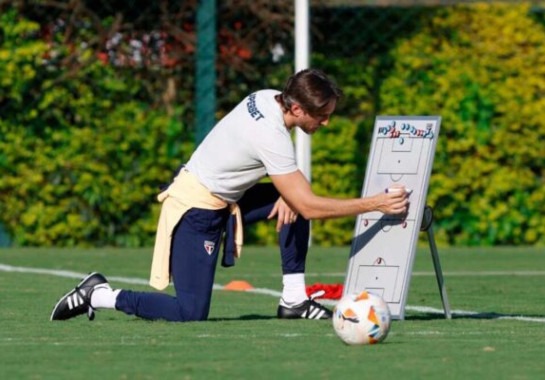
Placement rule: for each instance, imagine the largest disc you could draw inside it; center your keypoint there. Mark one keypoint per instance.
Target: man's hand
(393, 201)
(285, 214)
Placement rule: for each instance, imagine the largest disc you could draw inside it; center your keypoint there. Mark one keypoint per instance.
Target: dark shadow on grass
(424, 317)
(249, 317)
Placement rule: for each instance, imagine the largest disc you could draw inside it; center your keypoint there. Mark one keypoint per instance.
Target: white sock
(104, 297)
(294, 291)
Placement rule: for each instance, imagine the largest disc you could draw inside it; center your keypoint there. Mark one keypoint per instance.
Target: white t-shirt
(247, 144)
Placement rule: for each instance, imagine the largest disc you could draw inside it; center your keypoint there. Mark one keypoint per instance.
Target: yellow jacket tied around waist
(184, 193)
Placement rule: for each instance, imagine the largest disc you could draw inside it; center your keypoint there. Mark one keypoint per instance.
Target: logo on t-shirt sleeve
(252, 108)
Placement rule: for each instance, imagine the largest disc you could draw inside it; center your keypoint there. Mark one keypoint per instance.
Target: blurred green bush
(482, 68)
(83, 148)
(80, 159)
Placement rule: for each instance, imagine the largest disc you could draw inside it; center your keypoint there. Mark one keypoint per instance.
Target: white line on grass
(451, 274)
(274, 293)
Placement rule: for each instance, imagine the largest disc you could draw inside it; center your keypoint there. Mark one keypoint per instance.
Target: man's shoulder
(262, 106)
(267, 92)
(265, 98)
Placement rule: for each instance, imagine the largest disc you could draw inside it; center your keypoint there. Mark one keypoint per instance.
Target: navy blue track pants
(194, 255)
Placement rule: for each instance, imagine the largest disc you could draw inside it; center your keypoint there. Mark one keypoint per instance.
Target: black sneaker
(78, 300)
(308, 309)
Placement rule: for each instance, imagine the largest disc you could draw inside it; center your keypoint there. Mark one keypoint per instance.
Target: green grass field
(497, 331)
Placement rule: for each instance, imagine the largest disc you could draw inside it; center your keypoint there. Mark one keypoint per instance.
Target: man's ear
(296, 110)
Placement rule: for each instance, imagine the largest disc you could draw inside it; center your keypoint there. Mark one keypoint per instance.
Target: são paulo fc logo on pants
(209, 246)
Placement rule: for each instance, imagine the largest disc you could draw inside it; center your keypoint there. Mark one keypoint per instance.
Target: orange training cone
(238, 285)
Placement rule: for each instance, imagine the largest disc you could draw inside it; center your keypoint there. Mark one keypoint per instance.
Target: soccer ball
(362, 318)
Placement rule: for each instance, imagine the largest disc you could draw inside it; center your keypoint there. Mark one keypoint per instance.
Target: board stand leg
(427, 220)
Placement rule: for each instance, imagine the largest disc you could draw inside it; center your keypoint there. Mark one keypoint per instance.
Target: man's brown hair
(311, 89)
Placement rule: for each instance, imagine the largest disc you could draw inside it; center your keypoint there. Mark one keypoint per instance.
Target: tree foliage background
(97, 108)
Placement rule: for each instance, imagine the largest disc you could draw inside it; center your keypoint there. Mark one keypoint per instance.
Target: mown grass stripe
(274, 293)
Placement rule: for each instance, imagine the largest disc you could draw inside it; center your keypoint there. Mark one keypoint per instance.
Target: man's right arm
(296, 191)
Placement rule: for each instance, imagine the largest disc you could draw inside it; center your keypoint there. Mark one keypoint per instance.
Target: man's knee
(193, 307)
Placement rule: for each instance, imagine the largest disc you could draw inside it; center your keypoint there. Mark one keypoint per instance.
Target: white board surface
(383, 247)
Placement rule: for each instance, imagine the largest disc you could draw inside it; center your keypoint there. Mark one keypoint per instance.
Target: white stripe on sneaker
(314, 312)
(74, 301)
